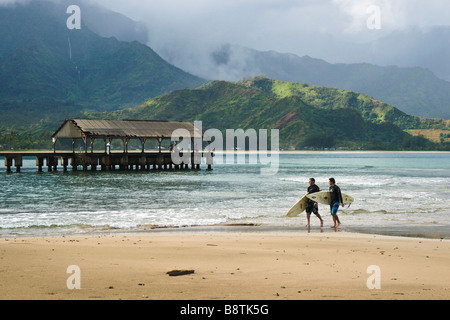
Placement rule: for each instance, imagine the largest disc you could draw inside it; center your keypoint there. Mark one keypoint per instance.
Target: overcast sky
(254, 20)
(281, 25)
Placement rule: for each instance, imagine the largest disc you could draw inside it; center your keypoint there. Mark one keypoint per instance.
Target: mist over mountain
(107, 23)
(414, 47)
(411, 33)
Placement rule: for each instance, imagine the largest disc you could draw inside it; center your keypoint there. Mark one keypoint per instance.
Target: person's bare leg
(334, 222)
(321, 220)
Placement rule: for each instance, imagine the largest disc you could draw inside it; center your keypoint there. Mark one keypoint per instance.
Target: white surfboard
(298, 208)
(324, 197)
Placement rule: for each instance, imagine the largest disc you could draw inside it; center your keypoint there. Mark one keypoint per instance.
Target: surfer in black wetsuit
(336, 201)
(313, 207)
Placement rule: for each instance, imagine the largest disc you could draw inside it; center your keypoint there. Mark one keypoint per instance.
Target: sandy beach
(228, 266)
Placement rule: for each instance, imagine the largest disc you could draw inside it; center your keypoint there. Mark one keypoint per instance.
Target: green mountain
(48, 72)
(307, 116)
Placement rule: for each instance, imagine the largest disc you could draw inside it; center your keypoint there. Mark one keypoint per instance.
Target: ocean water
(406, 194)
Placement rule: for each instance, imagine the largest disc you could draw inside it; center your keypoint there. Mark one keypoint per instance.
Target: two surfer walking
(309, 202)
(336, 202)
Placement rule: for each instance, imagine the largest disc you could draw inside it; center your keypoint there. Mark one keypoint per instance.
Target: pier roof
(129, 129)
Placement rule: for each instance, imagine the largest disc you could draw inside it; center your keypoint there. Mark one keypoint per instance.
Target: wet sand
(228, 266)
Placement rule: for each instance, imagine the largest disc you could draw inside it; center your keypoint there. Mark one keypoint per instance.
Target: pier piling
(13, 161)
(149, 161)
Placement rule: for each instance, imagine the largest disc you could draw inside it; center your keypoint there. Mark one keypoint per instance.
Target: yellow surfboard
(324, 197)
(298, 208)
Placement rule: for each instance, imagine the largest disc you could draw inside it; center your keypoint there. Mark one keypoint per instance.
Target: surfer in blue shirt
(313, 207)
(336, 201)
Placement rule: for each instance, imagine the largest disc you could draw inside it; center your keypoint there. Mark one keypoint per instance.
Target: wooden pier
(144, 161)
(108, 130)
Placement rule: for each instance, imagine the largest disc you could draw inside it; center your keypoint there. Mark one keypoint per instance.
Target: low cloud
(188, 33)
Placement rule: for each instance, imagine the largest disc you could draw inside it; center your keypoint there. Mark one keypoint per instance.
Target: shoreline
(227, 266)
(331, 151)
(407, 232)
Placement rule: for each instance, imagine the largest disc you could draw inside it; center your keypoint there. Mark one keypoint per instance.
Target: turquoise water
(397, 193)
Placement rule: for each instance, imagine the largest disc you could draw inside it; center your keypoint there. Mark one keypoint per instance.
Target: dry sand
(228, 266)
